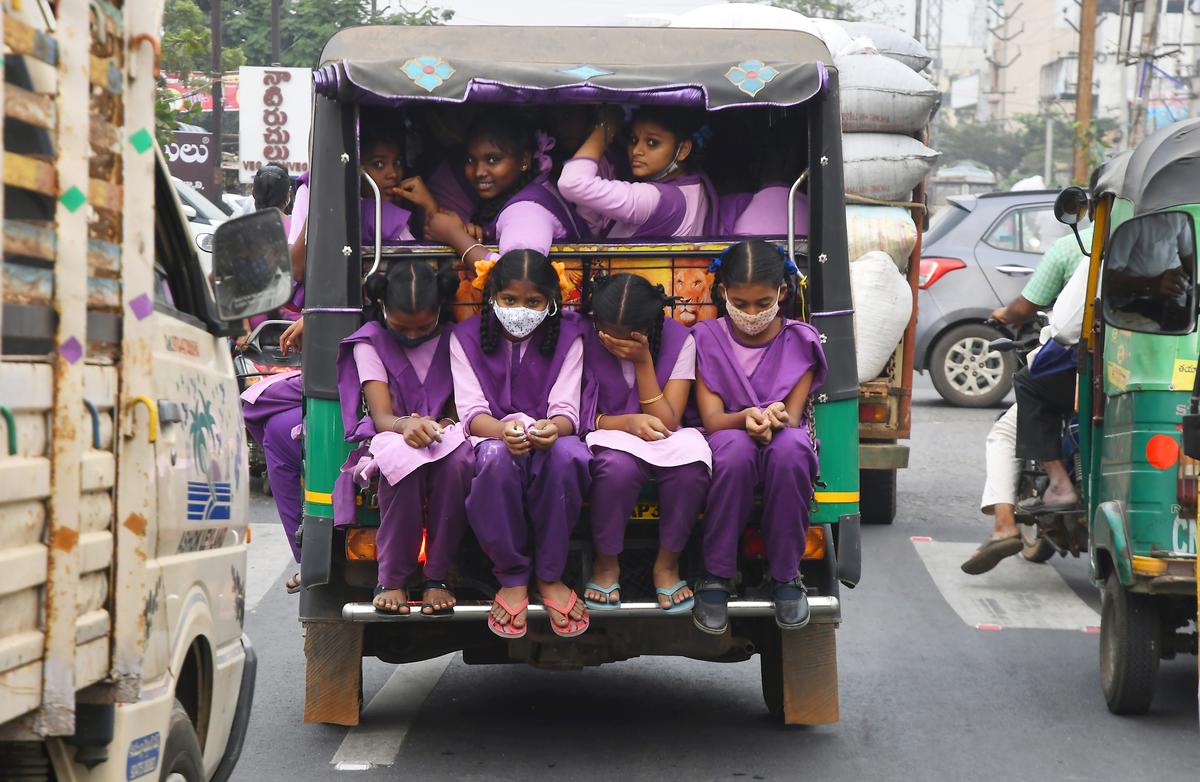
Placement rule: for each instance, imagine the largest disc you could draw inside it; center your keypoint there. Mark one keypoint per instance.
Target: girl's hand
(442, 226)
(758, 426)
(292, 337)
(543, 434)
(414, 191)
(777, 415)
(636, 349)
(648, 427)
(612, 118)
(474, 231)
(514, 438)
(419, 432)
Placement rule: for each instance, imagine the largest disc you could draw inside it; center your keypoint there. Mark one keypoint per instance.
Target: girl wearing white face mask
(518, 368)
(754, 373)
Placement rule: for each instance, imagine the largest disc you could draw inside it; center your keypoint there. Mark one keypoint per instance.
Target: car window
(1039, 229)
(1005, 234)
(944, 222)
(196, 200)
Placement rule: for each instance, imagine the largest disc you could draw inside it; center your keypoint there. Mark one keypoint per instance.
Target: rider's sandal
(402, 610)
(710, 610)
(791, 604)
(431, 584)
(990, 554)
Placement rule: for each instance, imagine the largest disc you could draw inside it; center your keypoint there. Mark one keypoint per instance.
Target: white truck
(123, 482)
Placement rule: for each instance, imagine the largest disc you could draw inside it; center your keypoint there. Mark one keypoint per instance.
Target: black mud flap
(316, 555)
(849, 548)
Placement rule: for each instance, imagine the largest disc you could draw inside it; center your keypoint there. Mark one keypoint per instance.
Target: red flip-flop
(507, 631)
(574, 627)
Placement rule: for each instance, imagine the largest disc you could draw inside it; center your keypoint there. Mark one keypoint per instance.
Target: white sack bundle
(884, 165)
(888, 229)
(882, 307)
(740, 16)
(879, 95)
(891, 42)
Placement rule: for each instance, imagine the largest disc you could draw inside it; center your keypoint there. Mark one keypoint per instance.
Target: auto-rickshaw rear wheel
(1130, 648)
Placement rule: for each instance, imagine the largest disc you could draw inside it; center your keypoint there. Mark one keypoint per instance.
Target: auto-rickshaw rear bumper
(825, 610)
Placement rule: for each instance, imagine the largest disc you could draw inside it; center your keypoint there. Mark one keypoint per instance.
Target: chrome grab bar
(791, 219)
(378, 224)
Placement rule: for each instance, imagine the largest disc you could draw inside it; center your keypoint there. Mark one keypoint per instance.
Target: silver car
(977, 255)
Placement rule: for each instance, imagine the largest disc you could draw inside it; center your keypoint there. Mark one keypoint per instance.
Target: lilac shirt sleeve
(468, 393)
(368, 363)
(527, 226)
(626, 202)
(564, 394)
(299, 214)
(685, 363)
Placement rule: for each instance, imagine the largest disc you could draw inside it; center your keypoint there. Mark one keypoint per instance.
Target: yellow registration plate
(645, 511)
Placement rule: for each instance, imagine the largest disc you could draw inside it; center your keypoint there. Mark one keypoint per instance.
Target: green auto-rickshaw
(1137, 372)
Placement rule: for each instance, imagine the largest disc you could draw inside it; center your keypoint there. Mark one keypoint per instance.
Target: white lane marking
(1014, 594)
(377, 739)
(267, 556)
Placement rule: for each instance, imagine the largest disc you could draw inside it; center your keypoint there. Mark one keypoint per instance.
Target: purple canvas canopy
(697, 68)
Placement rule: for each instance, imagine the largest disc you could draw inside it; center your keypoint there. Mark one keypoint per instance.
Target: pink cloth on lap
(252, 393)
(684, 446)
(396, 459)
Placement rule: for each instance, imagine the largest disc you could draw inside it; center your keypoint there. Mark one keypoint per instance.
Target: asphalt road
(942, 677)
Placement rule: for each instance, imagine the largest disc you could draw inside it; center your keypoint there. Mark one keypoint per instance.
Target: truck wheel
(877, 496)
(1036, 548)
(181, 758)
(770, 661)
(1130, 648)
(965, 372)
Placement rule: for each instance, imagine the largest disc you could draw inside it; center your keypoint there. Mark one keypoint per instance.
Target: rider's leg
(1043, 403)
(1003, 470)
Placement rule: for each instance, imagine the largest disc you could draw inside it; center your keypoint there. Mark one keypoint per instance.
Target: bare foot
(560, 593)
(606, 571)
(436, 599)
(392, 601)
(666, 575)
(1060, 495)
(513, 596)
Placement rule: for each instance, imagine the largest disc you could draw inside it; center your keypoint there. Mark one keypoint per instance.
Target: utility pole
(1000, 62)
(1048, 163)
(218, 94)
(275, 55)
(1149, 41)
(917, 20)
(1083, 90)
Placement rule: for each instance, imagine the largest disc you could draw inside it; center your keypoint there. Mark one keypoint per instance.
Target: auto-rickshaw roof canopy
(697, 68)
(1163, 170)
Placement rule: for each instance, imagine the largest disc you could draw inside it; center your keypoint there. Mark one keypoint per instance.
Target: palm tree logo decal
(202, 433)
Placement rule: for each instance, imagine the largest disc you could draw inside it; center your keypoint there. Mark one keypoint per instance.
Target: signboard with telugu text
(276, 115)
(190, 157)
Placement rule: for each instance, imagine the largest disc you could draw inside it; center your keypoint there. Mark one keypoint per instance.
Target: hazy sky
(528, 12)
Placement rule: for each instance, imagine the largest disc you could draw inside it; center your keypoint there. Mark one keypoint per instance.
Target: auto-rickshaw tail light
(814, 545)
(1189, 478)
(360, 544)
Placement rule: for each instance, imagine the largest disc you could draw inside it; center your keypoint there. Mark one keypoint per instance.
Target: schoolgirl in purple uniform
(754, 373)
(517, 370)
(667, 199)
(399, 364)
(638, 372)
(517, 206)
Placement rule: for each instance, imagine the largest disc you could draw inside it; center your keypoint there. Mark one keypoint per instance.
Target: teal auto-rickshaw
(1138, 399)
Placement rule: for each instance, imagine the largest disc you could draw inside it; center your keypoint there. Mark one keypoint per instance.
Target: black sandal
(791, 604)
(379, 590)
(710, 613)
(431, 584)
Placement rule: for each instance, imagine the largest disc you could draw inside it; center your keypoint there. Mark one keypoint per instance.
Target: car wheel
(966, 372)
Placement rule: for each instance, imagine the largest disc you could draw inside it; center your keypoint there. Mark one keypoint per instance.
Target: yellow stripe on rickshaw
(318, 498)
(837, 496)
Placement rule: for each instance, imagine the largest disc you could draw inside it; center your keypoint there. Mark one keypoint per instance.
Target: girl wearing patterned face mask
(518, 369)
(754, 373)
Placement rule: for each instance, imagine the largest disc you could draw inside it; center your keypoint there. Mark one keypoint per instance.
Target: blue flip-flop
(681, 608)
(607, 605)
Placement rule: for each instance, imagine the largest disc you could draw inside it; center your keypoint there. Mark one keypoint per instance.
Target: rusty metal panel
(30, 174)
(136, 488)
(30, 107)
(23, 39)
(56, 716)
(32, 239)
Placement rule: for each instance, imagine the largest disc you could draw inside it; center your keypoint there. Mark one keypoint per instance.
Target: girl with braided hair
(638, 373)
(754, 372)
(399, 364)
(517, 370)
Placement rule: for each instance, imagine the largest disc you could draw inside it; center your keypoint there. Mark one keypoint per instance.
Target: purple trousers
(439, 489)
(784, 471)
(549, 484)
(283, 457)
(617, 481)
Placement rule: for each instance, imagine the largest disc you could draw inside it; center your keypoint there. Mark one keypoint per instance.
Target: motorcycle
(1044, 534)
(261, 357)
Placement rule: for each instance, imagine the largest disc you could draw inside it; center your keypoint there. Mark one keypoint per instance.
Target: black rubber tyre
(1036, 548)
(1130, 648)
(181, 756)
(877, 496)
(770, 661)
(964, 372)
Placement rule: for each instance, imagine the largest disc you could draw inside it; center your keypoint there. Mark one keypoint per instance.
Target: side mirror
(189, 211)
(252, 270)
(1070, 208)
(1149, 279)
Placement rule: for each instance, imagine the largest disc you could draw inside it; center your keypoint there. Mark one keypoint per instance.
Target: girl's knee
(609, 462)
(492, 455)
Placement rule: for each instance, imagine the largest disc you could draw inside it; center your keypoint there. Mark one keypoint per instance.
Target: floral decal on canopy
(428, 72)
(751, 76)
